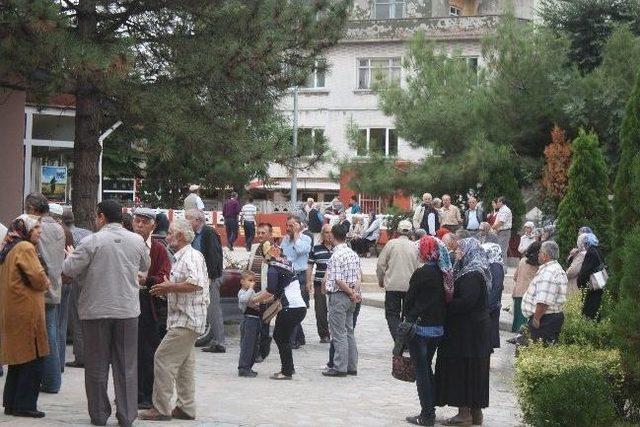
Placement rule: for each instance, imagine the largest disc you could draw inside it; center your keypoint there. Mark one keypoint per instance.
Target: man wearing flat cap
(193, 200)
(152, 322)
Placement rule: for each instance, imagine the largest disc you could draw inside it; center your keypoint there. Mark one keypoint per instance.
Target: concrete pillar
(12, 103)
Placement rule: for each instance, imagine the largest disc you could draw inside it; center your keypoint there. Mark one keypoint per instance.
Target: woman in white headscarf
(576, 258)
(498, 270)
(527, 238)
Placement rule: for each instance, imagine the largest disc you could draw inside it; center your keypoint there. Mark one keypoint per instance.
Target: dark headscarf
(18, 231)
(474, 259)
(532, 253)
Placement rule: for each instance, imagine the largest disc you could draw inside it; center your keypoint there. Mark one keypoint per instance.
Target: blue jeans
(422, 350)
(63, 318)
(249, 233)
(51, 374)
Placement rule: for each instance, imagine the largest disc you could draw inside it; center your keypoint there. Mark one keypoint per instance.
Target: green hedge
(578, 329)
(569, 385)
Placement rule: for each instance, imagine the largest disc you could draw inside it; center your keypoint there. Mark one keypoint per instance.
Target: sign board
(53, 183)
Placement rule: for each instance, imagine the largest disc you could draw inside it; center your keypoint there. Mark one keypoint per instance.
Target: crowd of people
(156, 287)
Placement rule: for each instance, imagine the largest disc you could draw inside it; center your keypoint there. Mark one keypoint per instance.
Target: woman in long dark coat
(593, 262)
(462, 366)
(497, 269)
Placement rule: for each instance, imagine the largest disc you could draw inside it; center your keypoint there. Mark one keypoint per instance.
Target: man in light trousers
(342, 282)
(187, 294)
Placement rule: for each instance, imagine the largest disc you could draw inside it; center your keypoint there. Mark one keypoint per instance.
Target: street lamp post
(101, 141)
(294, 163)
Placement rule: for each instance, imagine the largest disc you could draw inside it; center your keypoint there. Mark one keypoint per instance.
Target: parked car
(229, 301)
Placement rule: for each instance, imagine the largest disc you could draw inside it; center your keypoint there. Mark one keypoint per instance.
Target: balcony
(445, 28)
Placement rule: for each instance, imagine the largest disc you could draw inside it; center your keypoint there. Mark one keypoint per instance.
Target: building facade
(375, 42)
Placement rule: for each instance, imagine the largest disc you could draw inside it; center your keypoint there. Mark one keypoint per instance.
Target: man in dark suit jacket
(208, 242)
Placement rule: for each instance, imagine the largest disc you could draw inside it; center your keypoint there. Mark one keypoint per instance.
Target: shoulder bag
(598, 279)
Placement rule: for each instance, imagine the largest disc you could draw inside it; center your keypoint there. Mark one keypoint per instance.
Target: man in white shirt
(187, 294)
(502, 225)
(193, 200)
(248, 221)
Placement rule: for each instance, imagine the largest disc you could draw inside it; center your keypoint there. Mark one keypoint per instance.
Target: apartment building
(375, 42)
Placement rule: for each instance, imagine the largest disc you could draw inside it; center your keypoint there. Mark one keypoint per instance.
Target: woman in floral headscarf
(497, 269)
(425, 306)
(462, 366)
(23, 333)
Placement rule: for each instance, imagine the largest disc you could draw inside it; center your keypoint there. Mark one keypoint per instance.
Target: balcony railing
(446, 28)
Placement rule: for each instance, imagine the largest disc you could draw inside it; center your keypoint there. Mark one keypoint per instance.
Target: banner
(53, 181)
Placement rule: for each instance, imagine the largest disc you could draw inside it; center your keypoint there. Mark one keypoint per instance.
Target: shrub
(568, 385)
(586, 200)
(580, 330)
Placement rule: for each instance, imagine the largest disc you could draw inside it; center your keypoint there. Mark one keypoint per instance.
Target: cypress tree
(586, 200)
(626, 191)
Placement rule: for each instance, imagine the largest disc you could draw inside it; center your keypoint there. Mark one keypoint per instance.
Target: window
(372, 69)
(53, 127)
(308, 140)
(317, 77)
(454, 11)
(389, 9)
(380, 141)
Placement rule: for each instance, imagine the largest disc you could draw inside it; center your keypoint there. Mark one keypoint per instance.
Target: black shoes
(247, 373)
(144, 405)
(333, 373)
(216, 348)
(353, 373)
(74, 364)
(26, 414)
(421, 421)
(325, 340)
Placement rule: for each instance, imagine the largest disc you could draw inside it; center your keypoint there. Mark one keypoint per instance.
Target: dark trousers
(422, 350)
(111, 342)
(320, 307)
(286, 321)
(265, 340)
(51, 371)
(63, 320)
(591, 304)
(231, 226)
(297, 336)
(393, 302)
(78, 342)
(332, 349)
(22, 386)
(549, 330)
(361, 246)
(249, 341)
(150, 334)
(249, 233)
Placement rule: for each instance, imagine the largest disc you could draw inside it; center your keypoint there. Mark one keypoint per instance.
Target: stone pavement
(373, 398)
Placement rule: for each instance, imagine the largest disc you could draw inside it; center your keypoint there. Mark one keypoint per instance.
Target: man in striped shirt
(248, 221)
(319, 257)
(187, 294)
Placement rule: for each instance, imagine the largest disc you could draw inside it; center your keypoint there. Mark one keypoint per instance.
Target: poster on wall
(54, 183)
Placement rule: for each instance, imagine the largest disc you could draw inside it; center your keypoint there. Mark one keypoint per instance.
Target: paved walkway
(373, 398)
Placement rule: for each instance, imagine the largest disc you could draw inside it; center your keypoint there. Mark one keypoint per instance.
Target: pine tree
(626, 316)
(586, 202)
(557, 161)
(626, 190)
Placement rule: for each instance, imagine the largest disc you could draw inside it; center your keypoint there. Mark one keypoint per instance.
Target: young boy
(250, 327)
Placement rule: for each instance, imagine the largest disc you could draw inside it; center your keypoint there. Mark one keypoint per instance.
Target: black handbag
(403, 368)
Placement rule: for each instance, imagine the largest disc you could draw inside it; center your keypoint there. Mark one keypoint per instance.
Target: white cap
(405, 225)
(530, 224)
(56, 209)
(194, 187)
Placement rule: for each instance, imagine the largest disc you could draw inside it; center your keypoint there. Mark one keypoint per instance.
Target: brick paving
(373, 398)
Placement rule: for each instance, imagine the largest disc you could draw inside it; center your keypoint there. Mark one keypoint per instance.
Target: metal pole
(101, 141)
(294, 163)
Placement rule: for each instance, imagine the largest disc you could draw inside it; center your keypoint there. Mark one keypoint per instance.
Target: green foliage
(588, 23)
(586, 201)
(626, 316)
(395, 215)
(626, 197)
(580, 330)
(568, 385)
(598, 100)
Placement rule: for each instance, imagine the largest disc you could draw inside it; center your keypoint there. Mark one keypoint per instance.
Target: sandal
(280, 376)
